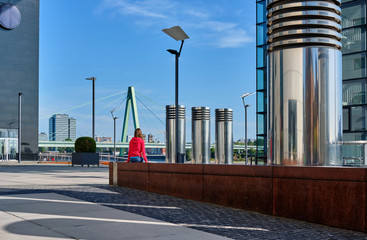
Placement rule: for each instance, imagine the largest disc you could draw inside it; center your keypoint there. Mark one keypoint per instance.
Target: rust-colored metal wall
(325, 195)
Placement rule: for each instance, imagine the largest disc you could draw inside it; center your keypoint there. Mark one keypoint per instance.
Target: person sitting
(137, 148)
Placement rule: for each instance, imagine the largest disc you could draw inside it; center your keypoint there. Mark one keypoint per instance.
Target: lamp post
(114, 132)
(179, 35)
(93, 107)
(20, 127)
(246, 106)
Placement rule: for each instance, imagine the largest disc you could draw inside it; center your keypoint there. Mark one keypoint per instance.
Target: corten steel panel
(238, 170)
(250, 193)
(110, 173)
(183, 185)
(133, 179)
(325, 173)
(335, 203)
(176, 168)
(141, 167)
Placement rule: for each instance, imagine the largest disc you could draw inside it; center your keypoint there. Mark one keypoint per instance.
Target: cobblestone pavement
(224, 221)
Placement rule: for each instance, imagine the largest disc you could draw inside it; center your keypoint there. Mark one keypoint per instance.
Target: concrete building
(354, 73)
(19, 40)
(103, 139)
(61, 127)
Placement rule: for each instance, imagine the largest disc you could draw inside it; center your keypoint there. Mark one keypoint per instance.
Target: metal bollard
(200, 150)
(171, 133)
(224, 136)
(304, 82)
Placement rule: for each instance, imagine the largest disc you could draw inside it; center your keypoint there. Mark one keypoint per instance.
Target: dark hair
(138, 133)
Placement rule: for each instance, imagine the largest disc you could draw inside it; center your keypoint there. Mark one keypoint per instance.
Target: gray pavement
(39, 201)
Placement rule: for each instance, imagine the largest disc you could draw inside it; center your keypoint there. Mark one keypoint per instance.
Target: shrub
(85, 144)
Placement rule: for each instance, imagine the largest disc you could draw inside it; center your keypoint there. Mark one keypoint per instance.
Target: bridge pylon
(130, 104)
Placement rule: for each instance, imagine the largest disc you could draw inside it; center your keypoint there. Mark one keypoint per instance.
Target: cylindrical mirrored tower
(304, 82)
(224, 136)
(171, 132)
(200, 150)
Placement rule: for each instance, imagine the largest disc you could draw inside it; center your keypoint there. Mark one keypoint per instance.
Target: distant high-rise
(150, 138)
(42, 137)
(61, 127)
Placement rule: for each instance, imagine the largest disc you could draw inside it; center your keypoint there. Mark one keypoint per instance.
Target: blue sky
(120, 42)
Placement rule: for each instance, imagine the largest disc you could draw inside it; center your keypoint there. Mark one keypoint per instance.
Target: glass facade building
(19, 73)
(261, 80)
(354, 72)
(61, 127)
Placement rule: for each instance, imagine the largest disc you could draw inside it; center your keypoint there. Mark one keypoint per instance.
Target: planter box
(85, 159)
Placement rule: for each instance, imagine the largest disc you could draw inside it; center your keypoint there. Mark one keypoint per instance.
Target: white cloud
(204, 24)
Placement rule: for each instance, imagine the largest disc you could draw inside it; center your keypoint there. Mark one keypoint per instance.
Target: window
(345, 119)
(354, 66)
(354, 40)
(261, 12)
(354, 14)
(261, 34)
(358, 118)
(261, 79)
(354, 92)
(261, 57)
(260, 124)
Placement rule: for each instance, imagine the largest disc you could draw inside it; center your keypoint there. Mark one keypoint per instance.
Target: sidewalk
(41, 201)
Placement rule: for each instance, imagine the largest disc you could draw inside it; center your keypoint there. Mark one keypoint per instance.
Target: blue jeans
(136, 159)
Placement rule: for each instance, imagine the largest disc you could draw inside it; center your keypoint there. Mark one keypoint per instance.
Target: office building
(61, 127)
(354, 70)
(42, 137)
(19, 40)
(150, 138)
(353, 73)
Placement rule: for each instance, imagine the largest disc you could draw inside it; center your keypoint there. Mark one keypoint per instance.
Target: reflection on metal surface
(171, 132)
(224, 136)
(200, 150)
(304, 83)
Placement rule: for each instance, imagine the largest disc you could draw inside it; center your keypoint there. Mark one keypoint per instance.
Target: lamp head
(172, 51)
(176, 33)
(91, 78)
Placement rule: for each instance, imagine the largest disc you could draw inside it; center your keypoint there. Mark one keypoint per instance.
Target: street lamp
(246, 106)
(114, 132)
(93, 107)
(179, 35)
(20, 127)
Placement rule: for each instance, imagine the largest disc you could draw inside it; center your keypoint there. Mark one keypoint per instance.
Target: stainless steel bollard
(171, 132)
(200, 150)
(304, 82)
(224, 136)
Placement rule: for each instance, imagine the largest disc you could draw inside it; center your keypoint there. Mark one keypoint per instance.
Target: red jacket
(137, 149)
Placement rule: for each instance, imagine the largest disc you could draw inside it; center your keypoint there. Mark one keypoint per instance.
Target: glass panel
(358, 118)
(345, 119)
(354, 136)
(261, 57)
(260, 103)
(354, 66)
(354, 92)
(354, 14)
(261, 34)
(260, 144)
(261, 79)
(260, 124)
(261, 12)
(354, 40)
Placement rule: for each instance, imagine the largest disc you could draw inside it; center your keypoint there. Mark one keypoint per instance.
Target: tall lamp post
(246, 106)
(93, 107)
(114, 132)
(20, 127)
(179, 35)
